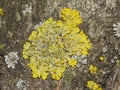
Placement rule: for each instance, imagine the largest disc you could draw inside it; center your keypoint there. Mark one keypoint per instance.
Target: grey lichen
(21, 85)
(11, 59)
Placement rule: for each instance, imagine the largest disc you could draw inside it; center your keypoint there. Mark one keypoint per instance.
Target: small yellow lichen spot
(93, 85)
(1, 11)
(102, 58)
(93, 69)
(72, 62)
(117, 62)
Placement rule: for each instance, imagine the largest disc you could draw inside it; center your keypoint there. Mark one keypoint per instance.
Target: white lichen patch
(114, 59)
(21, 84)
(27, 10)
(116, 28)
(105, 48)
(81, 60)
(11, 59)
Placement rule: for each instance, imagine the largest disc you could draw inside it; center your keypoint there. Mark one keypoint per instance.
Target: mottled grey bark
(98, 16)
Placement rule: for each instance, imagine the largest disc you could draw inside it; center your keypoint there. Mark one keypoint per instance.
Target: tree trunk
(101, 22)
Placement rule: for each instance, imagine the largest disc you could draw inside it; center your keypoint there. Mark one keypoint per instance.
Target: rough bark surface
(99, 18)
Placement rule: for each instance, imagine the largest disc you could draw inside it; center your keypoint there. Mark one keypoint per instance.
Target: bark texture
(99, 20)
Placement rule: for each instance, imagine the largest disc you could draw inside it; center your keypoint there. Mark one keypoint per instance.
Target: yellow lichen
(1, 11)
(93, 85)
(93, 69)
(102, 58)
(50, 48)
(71, 15)
(117, 62)
(72, 62)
